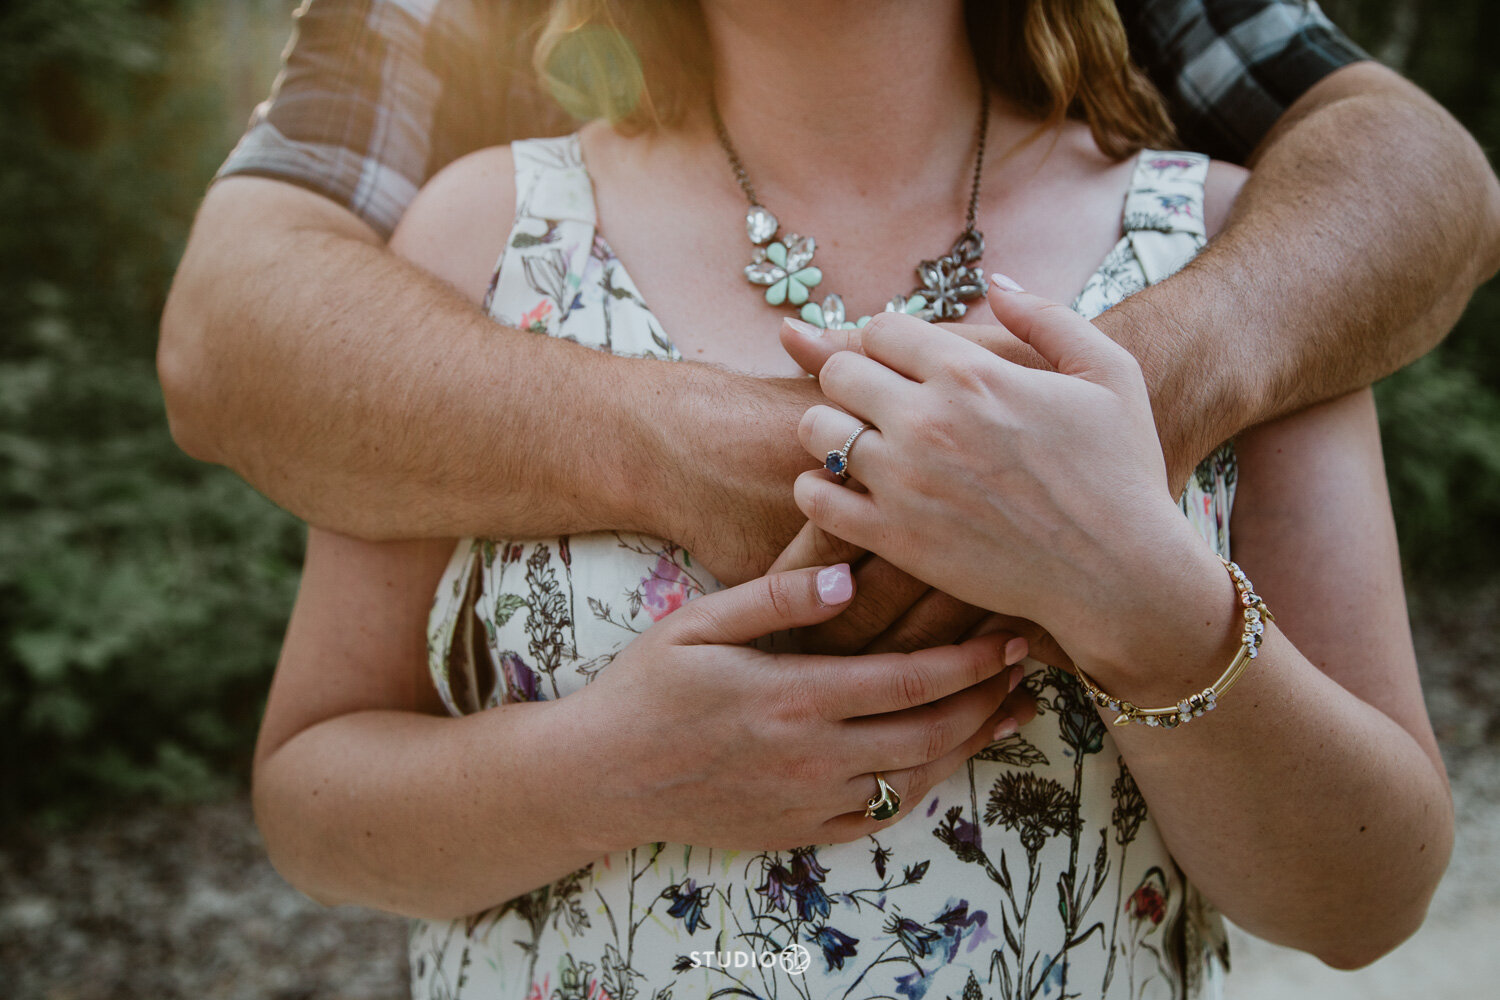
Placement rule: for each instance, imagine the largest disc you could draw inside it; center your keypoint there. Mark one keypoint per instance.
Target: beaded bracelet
(1208, 699)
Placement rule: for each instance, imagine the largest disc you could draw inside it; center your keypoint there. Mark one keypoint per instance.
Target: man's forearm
(1369, 219)
(369, 398)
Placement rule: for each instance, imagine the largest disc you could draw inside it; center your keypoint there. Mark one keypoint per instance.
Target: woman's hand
(1036, 493)
(715, 743)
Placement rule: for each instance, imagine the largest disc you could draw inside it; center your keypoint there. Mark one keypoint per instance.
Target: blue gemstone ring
(837, 462)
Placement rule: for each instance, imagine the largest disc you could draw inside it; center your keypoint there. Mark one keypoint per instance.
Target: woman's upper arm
(459, 223)
(357, 640)
(1312, 527)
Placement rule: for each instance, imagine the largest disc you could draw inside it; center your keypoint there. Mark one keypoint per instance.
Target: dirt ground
(161, 903)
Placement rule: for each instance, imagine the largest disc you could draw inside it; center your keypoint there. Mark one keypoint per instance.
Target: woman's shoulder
(1221, 180)
(457, 225)
(1220, 189)
(1076, 149)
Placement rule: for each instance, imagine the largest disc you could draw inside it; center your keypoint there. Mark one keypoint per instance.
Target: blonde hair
(641, 64)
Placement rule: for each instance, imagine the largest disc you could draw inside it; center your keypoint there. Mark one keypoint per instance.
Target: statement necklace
(784, 265)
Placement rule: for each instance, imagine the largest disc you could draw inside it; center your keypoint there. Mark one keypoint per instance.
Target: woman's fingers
(878, 685)
(810, 346)
(863, 386)
(824, 429)
(838, 510)
(1064, 339)
(913, 782)
(764, 605)
(1018, 708)
(915, 348)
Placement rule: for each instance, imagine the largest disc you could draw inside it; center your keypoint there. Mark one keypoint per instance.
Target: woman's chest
(682, 238)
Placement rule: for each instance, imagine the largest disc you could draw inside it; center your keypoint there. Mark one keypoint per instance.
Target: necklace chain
(785, 265)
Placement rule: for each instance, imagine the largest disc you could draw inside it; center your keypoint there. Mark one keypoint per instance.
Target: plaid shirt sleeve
(350, 113)
(374, 96)
(1229, 68)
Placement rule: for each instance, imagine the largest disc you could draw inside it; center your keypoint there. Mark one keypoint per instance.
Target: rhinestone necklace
(784, 265)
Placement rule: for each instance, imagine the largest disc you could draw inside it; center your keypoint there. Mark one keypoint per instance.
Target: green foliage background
(142, 595)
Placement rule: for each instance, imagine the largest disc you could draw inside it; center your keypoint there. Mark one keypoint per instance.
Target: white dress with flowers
(1035, 871)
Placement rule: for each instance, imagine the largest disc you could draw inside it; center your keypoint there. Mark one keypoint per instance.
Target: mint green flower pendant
(786, 269)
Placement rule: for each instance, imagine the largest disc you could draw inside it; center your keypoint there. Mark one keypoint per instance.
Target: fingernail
(1015, 650)
(803, 327)
(1016, 673)
(1005, 283)
(835, 584)
(1006, 728)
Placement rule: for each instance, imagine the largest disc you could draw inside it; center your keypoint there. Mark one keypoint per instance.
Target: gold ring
(884, 804)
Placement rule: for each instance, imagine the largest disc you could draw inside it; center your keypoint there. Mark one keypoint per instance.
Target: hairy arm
(1339, 263)
(370, 398)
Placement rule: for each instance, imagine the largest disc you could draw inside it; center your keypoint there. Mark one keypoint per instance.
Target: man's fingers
(1043, 647)
(936, 619)
(886, 595)
(814, 547)
(810, 346)
(764, 605)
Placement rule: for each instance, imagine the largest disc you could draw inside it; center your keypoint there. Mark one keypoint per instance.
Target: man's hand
(891, 611)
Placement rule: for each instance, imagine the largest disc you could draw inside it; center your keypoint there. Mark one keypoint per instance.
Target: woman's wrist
(1175, 629)
(601, 809)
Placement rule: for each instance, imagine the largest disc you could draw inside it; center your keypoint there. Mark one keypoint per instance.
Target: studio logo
(794, 959)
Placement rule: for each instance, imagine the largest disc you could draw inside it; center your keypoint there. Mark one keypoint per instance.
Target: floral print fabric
(1035, 871)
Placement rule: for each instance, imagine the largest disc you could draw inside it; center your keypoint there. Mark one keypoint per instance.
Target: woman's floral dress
(1033, 871)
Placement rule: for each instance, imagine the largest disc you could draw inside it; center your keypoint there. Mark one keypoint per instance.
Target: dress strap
(551, 182)
(1163, 216)
(533, 286)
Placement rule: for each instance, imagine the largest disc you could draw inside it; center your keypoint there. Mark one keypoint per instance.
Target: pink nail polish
(1017, 674)
(804, 328)
(835, 584)
(1005, 283)
(1015, 650)
(1006, 728)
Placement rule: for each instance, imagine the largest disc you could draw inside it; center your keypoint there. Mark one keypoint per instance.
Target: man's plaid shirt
(375, 96)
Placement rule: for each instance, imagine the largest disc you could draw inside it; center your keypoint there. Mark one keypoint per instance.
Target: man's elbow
(1491, 235)
(184, 369)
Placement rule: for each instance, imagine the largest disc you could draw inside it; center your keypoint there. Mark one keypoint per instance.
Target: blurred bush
(142, 595)
(1440, 418)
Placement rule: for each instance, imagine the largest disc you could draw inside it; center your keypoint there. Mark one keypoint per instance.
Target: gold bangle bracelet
(1256, 614)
